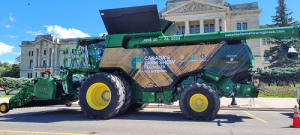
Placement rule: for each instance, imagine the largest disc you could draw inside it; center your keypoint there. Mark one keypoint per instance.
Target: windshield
(95, 52)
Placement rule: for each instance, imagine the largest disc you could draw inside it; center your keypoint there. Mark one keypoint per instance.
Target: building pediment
(195, 6)
(41, 42)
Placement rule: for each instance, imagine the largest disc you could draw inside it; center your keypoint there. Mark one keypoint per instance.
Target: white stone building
(191, 16)
(43, 53)
(204, 16)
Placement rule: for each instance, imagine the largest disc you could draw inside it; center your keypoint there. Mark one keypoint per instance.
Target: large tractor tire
(199, 101)
(128, 96)
(102, 95)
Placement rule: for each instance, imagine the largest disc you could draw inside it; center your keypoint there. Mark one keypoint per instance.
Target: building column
(39, 58)
(35, 53)
(52, 60)
(217, 25)
(48, 57)
(187, 27)
(56, 59)
(223, 24)
(52, 56)
(201, 25)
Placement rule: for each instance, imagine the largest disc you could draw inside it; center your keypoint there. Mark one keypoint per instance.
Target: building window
(35, 74)
(74, 63)
(45, 63)
(45, 52)
(266, 55)
(266, 58)
(206, 30)
(263, 41)
(178, 30)
(31, 64)
(192, 29)
(268, 41)
(29, 75)
(183, 29)
(238, 26)
(30, 53)
(197, 29)
(220, 28)
(244, 26)
(212, 27)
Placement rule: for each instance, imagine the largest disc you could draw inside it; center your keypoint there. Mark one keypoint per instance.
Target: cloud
(8, 26)
(61, 32)
(11, 36)
(5, 48)
(16, 53)
(11, 19)
(40, 32)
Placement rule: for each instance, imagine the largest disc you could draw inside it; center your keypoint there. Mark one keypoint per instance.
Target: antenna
(152, 2)
(240, 1)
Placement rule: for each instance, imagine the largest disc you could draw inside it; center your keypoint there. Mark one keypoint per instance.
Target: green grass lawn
(277, 95)
(6, 96)
(274, 87)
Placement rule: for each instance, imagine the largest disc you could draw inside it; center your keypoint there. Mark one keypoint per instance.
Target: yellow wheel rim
(3, 108)
(98, 96)
(198, 102)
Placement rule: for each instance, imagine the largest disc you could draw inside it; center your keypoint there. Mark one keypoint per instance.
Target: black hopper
(131, 20)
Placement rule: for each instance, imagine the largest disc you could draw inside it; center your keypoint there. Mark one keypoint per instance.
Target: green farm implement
(143, 61)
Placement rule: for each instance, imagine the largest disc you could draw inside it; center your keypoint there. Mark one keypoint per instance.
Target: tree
(18, 59)
(282, 17)
(13, 72)
(282, 68)
(278, 53)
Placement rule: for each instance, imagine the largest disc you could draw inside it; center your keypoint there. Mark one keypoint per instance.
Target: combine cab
(143, 61)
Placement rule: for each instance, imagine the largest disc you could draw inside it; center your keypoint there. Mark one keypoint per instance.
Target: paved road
(70, 121)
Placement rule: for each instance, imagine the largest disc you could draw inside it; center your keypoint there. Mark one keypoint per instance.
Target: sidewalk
(242, 103)
(265, 103)
(253, 103)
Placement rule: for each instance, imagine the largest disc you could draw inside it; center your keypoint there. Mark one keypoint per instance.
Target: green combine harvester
(141, 61)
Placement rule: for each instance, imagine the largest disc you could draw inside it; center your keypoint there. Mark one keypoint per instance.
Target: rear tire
(102, 95)
(128, 97)
(199, 101)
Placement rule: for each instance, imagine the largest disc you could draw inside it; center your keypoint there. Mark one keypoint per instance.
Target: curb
(227, 108)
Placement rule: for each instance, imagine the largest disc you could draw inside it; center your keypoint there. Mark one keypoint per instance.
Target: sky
(23, 20)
